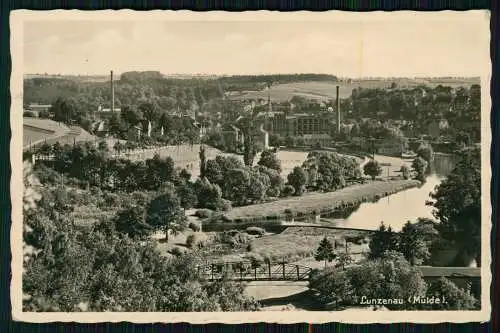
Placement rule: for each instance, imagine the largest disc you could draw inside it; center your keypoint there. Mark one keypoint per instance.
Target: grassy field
(298, 245)
(321, 90)
(322, 201)
(187, 157)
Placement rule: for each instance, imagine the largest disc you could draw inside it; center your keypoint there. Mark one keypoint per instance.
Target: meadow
(322, 91)
(187, 157)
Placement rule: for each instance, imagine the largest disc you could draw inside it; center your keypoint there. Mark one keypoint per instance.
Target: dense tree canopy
(457, 203)
(69, 268)
(165, 212)
(269, 159)
(332, 171)
(298, 179)
(382, 241)
(388, 277)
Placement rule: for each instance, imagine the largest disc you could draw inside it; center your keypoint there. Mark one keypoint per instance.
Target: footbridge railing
(251, 271)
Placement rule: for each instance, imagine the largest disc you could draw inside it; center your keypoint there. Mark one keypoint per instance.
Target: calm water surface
(398, 208)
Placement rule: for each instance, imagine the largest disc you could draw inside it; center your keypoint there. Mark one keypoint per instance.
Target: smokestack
(112, 93)
(338, 110)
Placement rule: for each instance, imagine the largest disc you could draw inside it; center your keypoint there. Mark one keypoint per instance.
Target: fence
(252, 271)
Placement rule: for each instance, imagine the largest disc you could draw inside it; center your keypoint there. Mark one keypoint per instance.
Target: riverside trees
(330, 171)
(372, 168)
(457, 203)
(413, 241)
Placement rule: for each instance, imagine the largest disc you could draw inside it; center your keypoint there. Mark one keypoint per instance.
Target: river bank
(322, 203)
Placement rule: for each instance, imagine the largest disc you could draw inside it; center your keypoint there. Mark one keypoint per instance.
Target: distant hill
(323, 90)
(77, 78)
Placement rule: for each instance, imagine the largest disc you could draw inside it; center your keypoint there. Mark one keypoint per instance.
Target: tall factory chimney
(112, 93)
(338, 110)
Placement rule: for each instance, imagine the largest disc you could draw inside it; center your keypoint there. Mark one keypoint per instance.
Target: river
(396, 209)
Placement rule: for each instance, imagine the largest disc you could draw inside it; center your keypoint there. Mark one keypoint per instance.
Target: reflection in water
(400, 207)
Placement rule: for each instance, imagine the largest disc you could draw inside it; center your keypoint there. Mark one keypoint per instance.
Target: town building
(232, 137)
(300, 124)
(100, 128)
(39, 107)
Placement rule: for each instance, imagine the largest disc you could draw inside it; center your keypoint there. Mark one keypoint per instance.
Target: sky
(360, 47)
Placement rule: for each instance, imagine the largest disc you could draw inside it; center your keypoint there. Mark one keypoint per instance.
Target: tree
(387, 277)
(203, 162)
(419, 165)
(331, 170)
(331, 287)
(413, 244)
(426, 152)
(457, 203)
(405, 171)
(64, 110)
(116, 125)
(372, 169)
(184, 175)
(456, 298)
(187, 195)
(298, 179)
(249, 149)
(131, 115)
(270, 160)
(131, 222)
(382, 241)
(230, 296)
(288, 190)
(165, 212)
(345, 259)
(325, 251)
(209, 195)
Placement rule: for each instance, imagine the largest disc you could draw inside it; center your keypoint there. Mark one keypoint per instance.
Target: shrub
(288, 190)
(372, 168)
(194, 226)
(140, 198)
(191, 241)
(255, 259)
(225, 205)
(255, 231)
(176, 251)
(233, 232)
(203, 213)
(405, 171)
(234, 238)
(358, 239)
(111, 199)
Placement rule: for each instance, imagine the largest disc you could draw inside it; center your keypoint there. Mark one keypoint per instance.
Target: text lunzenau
(412, 300)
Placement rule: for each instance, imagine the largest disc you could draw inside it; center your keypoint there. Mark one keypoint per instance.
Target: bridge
(248, 271)
(252, 271)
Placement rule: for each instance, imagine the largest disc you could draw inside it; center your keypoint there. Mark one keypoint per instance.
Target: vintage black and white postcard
(250, 167)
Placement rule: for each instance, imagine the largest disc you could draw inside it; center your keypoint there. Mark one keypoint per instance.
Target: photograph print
(254, 166)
